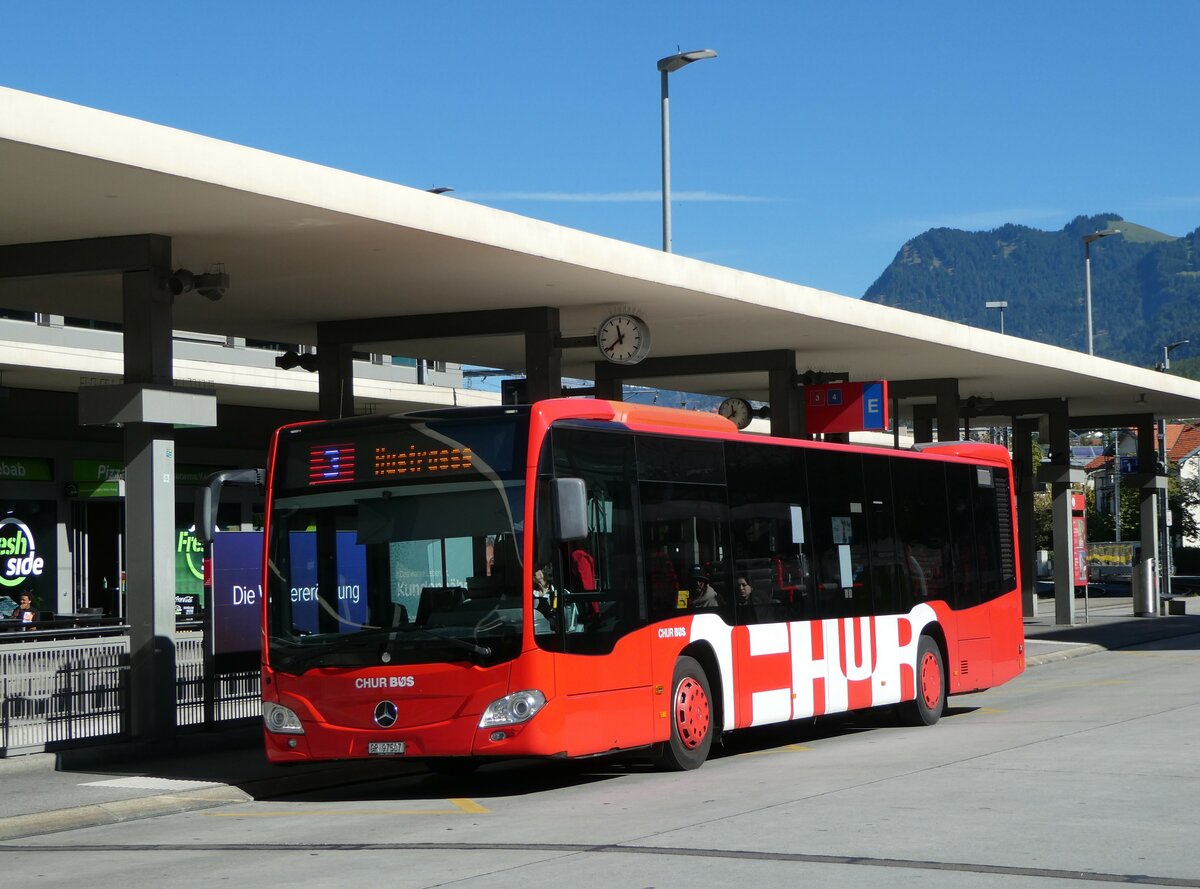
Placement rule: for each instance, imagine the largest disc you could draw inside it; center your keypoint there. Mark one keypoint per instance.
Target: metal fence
(61, 692)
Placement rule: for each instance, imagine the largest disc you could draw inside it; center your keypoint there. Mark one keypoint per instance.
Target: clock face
(623, 339)
(736, 410)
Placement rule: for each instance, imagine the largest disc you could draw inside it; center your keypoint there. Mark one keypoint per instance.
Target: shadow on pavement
(1121, 633)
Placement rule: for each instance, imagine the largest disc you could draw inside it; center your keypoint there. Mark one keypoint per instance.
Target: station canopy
(305, 244)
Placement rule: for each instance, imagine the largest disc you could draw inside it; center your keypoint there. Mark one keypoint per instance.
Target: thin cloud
(983, 220)
(615, 197)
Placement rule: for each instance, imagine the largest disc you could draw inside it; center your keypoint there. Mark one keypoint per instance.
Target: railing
(62, 692)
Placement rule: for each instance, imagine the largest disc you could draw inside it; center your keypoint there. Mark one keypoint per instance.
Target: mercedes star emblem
(385, 714)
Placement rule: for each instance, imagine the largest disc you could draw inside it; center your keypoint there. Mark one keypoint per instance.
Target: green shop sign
(189, 564)
(102, 478)
(25, 469)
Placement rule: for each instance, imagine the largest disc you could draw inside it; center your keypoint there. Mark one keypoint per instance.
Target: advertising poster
(237, 594)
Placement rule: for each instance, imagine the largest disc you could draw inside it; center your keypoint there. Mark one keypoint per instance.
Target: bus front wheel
(931, 686)
(691, 717)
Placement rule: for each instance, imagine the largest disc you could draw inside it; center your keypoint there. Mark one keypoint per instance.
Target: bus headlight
(513, 709)
(281, 720)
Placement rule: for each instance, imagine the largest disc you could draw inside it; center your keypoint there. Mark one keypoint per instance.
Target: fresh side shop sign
(18, 553)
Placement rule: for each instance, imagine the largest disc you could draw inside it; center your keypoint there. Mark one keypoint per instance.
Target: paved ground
(46, 793)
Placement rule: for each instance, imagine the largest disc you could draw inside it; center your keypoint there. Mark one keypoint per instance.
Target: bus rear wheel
(691, 717)
(931, 686)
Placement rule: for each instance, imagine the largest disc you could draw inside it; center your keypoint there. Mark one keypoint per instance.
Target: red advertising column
(1079, 551)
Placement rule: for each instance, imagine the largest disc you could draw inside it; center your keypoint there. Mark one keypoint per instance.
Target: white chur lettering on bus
(672, 632)
(823, 670)
(772, 704)
(370, 682)
(857, 660)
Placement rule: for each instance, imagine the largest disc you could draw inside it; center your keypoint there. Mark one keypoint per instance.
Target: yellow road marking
(776, 749)
(461, 807)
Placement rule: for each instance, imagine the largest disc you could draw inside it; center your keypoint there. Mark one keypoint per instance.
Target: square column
(150, 577)
(1060, 476)
(1024, 470)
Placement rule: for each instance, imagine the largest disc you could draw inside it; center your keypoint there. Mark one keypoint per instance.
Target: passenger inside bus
(703, 595)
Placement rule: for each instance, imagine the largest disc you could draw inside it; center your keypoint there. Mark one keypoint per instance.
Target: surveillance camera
(212, 285)
(180, 281)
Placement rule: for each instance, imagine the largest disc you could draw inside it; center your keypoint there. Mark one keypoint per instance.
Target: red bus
(581, 577)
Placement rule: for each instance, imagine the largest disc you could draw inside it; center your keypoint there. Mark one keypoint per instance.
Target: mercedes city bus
(582, 577)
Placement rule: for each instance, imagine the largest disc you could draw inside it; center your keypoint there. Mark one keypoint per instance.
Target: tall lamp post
(1087, 275)
(1168, 349)
(665, 67)
(1000, 304)
(1164, 509)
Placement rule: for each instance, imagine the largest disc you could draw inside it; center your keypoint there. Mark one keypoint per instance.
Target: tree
(1183, 497)
(1100, 524)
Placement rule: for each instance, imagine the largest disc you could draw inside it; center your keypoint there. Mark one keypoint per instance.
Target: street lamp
(1000, 304)
(1087, 275)
(1164, 508)
(1168, 349)
(665, 67)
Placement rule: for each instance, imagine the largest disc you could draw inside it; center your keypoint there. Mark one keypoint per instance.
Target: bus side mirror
(208, 498)
(570, 495)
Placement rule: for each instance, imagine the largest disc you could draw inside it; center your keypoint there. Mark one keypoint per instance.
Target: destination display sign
(337, 463)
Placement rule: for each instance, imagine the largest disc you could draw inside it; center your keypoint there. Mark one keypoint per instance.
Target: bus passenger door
(602, 665)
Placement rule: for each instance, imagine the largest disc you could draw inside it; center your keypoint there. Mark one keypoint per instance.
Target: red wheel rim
(692, 714)
(931, 681)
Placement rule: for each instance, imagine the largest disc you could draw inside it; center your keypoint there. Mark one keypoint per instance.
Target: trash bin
(1145, 588)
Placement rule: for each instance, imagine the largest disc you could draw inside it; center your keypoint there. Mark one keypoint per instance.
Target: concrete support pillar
(1024, 487)
(787, 406)
(335, 370)
(609, 389)
(543, 357)
(146, 322)
(1060, 476)
(947, 415)
(922, 426)
(1064, 565)
(150, 573)
(149, 509)
(944, 409)
(1148, 479)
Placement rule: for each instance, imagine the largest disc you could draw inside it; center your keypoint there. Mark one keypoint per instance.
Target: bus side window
(881, 531)
(922, 530)
(684, 536)
(840, 537)
(770, 531)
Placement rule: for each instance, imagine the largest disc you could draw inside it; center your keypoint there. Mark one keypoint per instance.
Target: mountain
(1145, 285)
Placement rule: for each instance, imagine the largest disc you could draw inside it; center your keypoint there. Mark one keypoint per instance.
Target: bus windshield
(396, 543)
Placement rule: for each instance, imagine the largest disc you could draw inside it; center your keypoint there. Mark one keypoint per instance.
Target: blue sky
(824, 135)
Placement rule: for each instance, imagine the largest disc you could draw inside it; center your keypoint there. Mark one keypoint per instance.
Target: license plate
(385, 748)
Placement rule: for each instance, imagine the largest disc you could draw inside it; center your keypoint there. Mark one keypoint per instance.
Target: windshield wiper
(309, 653)
(481, 650)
